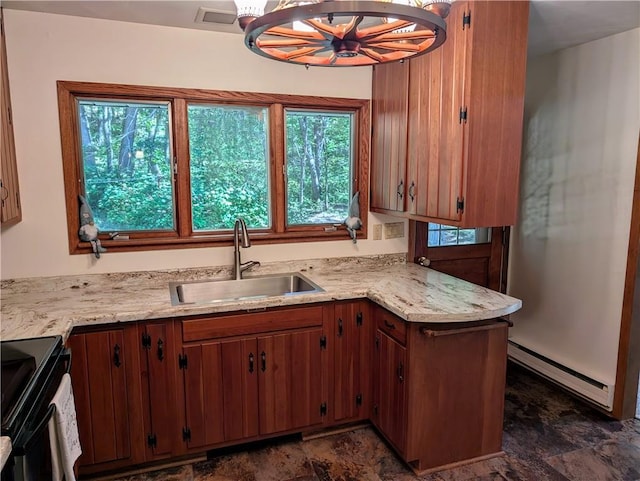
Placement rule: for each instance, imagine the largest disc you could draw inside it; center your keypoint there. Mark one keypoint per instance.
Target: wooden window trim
(179, 98)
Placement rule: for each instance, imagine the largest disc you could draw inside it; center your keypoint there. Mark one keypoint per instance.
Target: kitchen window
(168, 167)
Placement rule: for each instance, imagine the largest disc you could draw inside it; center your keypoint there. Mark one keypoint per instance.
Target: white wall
(568, 251)
(44, 48)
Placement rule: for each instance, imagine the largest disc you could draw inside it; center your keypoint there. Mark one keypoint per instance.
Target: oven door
(30, 458)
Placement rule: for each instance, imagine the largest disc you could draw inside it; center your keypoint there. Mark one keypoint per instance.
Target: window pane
(444, 235)
(126, 157)
(228, 149)
(319, 148)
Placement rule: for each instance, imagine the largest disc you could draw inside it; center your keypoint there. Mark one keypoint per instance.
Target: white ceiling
(553, 24)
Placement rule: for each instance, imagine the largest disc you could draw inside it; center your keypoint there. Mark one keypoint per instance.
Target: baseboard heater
(583, 386)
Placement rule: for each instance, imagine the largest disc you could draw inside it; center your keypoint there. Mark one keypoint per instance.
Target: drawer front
(250, 323)
(392, 325)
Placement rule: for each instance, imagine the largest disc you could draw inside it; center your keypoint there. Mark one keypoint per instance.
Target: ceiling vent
(210, 15)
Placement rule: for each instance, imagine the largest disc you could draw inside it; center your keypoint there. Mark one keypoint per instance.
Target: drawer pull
(160, 349)
(401, 372)
(339, 327)
(251, 362)
(389, 325)
(263, 358)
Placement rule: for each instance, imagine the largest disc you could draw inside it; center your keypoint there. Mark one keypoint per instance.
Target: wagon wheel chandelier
(343, 33)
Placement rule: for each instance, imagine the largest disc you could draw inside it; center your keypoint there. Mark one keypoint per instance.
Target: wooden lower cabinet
(157, 390)
(390, 392)
(107, 391)
(439, 400)
(249, 381)
(352, 330)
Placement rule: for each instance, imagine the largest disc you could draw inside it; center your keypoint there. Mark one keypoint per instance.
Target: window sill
(257, 238)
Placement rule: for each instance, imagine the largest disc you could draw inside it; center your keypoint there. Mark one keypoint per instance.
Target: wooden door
(389, 410)
(389, 136)
(290, 380)
(352, 366)
(101, 378)
(10, 213)
(162, 415)
(484, 263)
(435, 130)
(221, 391)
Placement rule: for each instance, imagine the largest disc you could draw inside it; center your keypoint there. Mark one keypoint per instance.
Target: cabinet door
(352, 327)
(389, 410)
(9, 192)
(389, 136)
(161, 416)
(435, 130)
(221, 391)
(102, 379)
(290, 380)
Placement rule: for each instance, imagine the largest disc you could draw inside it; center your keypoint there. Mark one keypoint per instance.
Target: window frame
(179, 98)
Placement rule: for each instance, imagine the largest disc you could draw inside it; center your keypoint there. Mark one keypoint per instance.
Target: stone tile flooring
(548, 436)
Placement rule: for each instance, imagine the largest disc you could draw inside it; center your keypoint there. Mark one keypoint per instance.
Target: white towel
(63, 433)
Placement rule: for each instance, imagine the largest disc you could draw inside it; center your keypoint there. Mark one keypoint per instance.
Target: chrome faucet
(240, 239)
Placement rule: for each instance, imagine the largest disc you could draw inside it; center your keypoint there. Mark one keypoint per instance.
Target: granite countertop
(49, 306)
(5, 450)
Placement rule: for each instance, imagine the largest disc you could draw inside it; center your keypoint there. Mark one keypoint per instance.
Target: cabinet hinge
(359, 319)
(463, 115)
(175, 165)
(152, 441)
(186, 434)
(323, 409)
(182, 361)
(323, 342)
(146, 340)
(359, 400)
(466, 20)
(460, 204)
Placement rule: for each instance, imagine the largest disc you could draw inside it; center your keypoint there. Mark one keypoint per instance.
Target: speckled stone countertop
(5, 450)
(50, 306)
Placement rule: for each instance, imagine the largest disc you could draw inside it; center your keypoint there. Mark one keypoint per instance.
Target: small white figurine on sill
(88, 230)
(353, 222)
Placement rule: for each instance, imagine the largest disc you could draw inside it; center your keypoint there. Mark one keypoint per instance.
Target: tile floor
(548, 436)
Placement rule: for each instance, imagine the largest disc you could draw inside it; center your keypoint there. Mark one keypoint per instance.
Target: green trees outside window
(229, 163)
(169, 167)
(126, 157)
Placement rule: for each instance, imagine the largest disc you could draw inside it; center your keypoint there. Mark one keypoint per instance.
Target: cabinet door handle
(400, 190)
(160, 349)
(412, 189)
(250, 362)
(263, 358)
(401, 372)
(389, 325)
(339, 327)
(116, 355)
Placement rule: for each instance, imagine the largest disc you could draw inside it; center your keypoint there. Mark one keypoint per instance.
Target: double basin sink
(210, 291)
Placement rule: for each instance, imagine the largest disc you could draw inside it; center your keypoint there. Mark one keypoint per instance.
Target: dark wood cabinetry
(157, 365)
(156, 390)
(462, 127)
(390, 393)
(439, 389)
(252, 375)
(352, 332)
(106, 390)
(10, 212)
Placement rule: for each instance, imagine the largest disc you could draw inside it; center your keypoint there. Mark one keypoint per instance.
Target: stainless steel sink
(202, 292)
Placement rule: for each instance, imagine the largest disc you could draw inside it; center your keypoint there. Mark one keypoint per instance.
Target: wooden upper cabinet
(389, 136)
(465, 104)
(10, 213)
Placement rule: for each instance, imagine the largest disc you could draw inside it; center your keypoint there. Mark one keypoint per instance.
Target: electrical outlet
(393, 230)
(377, 232)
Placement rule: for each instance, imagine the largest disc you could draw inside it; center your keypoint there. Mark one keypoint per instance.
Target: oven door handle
(27, 444)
